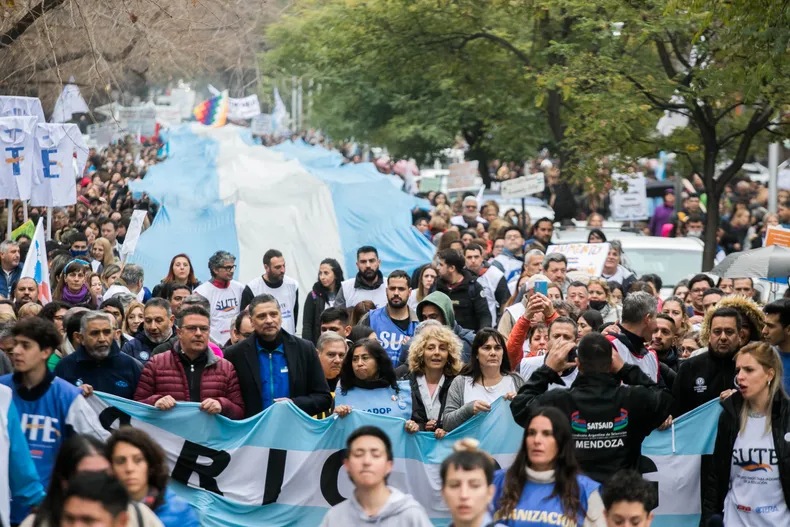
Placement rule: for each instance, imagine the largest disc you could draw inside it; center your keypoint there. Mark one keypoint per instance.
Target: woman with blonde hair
(434, 361)
(101, 255)
(29, 310)
(751, 459)
(133, 319)
(109, 274)
(601, 300)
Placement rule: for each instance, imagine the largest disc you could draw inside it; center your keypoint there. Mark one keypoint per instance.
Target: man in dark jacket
(98, 363)
(191, 372)
(156, 329)
(609, 420)
(438, 306)
(9, 261)
(274, 366)
(705, 376)
(469, 301)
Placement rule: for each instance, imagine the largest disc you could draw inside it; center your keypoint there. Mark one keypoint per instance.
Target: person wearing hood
(706, 376)
(156, 329)
(467, 295)
(438, 306)
(752, 317)
(323, 295)
(368, 462)
(274, 282)
(367, 285)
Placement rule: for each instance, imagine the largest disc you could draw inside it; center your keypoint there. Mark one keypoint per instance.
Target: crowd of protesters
(491, 316)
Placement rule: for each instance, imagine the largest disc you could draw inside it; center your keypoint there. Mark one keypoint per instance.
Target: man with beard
(664, 341)
(275, 283)
(491, 278)
(9, 261)
(98, 362)
(367, 285)
(156, 329)
(709, 375)
(465, 292)
(542, 231)
(395, 322)
(26, 290)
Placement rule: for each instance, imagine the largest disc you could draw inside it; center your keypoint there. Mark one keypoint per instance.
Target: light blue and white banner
(283, 468)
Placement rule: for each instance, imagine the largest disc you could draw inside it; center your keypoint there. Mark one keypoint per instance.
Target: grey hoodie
(401, 510)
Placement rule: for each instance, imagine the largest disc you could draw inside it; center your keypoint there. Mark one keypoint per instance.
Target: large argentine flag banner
(219, 191)
(283, 468)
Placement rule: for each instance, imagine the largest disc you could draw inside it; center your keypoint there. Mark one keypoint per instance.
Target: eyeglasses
(195, 329)
(228, 267)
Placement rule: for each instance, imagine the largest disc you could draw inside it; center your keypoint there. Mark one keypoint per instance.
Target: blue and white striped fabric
(220, 191)
(282, 467)
(676, 455)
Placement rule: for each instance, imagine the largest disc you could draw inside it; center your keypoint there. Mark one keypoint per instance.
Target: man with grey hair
(98, 363)
(332, 348)
(555, 266)
(129, 283)
(156, 329)
(470, 216)
(223, 294)
(9, 260)
(636, 328)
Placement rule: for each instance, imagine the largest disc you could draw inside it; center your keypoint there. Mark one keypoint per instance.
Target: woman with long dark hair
(545, 481)
(72, 287)
(180, 272)
(751, 458)
(485, 379)
(140, 464)
(589, 321)
(330, 276)
(368, 383)
(426, 282)
(80, 453)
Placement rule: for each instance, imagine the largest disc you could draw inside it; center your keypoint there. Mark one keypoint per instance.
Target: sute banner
(251, 472)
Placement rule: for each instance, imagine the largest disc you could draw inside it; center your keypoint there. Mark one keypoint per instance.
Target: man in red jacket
(191, 372)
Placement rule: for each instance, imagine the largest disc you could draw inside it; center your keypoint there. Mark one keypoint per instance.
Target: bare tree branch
(29, 18)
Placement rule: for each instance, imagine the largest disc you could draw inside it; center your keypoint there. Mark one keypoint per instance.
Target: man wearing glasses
(469, 217)
(98, 363)
(191, 372)
(223, 294)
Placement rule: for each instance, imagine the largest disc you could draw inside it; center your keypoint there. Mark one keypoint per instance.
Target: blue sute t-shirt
(389, 334)
(274, 375)
(536, 508)
(45, 426)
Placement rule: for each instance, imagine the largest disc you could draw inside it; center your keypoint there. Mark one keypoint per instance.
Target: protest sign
(168, 115)
(261, 124)
(462, 175)
(133, 232)
(102, 134)
(631, 204)
(244, 108)
(523, 186)
(588, 258)
(777, 236)
(139, 120)
(247, 475)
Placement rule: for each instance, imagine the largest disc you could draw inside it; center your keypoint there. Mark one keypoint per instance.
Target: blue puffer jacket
(141, 347)
(176, 512)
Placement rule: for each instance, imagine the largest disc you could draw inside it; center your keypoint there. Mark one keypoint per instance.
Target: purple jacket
(661, 215)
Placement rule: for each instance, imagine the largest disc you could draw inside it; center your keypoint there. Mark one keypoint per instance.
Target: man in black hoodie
(469, 302)
(609, 419)
(707, 375)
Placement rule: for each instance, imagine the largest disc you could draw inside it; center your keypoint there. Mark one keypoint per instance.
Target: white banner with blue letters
(283, 467)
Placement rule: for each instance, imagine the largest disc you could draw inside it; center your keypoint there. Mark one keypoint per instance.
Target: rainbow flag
(213, 112)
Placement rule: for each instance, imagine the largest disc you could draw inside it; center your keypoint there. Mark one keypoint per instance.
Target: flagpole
(24, 211)
(10, 217)
(49, 223)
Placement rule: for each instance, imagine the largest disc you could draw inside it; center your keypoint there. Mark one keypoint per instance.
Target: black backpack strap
(138, 514)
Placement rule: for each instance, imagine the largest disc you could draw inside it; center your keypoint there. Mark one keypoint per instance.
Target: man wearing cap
(663, 213)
